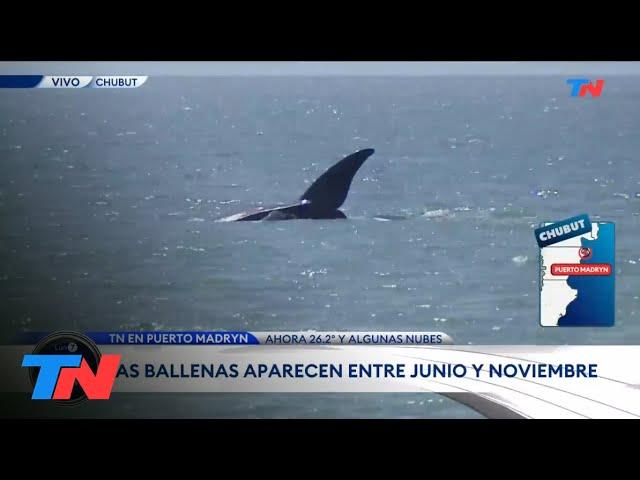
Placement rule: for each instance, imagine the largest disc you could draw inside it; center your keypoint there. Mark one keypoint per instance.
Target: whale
(321, 201)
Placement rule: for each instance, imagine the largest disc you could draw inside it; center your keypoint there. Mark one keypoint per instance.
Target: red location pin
(585, 253)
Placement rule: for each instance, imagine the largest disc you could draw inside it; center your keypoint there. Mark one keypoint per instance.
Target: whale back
(330, 190)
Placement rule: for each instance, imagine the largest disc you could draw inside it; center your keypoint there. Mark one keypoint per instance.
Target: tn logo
(59, 373)
(580, 87)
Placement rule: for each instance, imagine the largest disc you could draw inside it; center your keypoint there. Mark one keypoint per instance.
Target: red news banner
(564, 269)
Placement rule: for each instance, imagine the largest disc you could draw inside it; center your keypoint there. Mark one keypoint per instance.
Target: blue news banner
(72, 81)
(254, 338)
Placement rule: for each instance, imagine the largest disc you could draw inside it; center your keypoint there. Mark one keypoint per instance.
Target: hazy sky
(321, 68)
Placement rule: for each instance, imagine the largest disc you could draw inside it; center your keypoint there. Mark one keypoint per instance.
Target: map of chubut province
(556, 294)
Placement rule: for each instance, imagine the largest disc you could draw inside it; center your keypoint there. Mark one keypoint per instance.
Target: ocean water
(108, 202)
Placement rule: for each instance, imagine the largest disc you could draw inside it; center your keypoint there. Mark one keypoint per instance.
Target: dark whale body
(322, 199)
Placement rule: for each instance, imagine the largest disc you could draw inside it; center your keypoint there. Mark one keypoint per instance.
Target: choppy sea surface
(108, 202)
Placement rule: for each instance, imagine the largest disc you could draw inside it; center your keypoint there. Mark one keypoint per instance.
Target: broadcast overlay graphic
(67, 81)
(577, 273)
(319, 240)
(497, 381)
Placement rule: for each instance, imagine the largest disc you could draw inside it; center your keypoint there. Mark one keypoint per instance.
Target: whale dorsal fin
(330, 190)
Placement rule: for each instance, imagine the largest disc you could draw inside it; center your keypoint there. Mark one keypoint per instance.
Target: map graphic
(577, 279)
